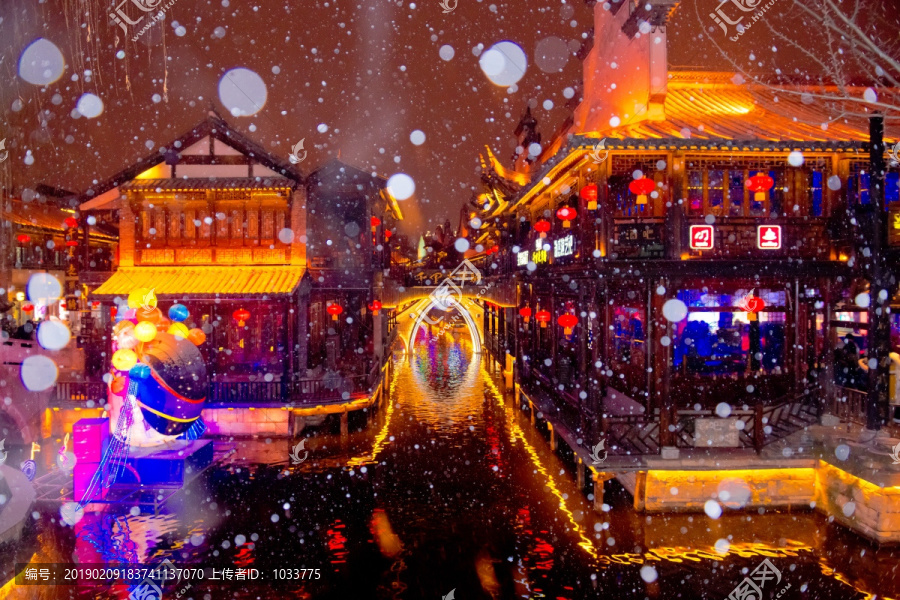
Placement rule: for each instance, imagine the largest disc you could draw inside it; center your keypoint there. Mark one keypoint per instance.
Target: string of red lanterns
(642, 187)
(566, 214)
(542, 227)
(760, 184)
(568, 322)
(334, 310)
(589, 194)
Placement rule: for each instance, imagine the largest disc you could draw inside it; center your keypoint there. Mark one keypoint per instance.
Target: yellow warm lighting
(160, 171)
(685, 256)
(843, 257)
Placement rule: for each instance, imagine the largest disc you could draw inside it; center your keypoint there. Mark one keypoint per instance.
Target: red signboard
(702, 237)
(768, 237)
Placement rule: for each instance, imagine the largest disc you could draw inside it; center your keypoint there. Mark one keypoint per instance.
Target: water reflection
(450, 487)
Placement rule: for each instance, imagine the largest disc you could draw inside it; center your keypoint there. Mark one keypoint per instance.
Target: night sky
(349, 78)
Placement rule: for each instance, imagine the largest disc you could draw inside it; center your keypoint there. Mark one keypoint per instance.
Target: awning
(202, 282)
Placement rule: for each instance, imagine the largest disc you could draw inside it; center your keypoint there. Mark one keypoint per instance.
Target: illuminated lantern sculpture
(71, 222)
(179, 330)
(543, 317)
(145, 331)
(196, 336)
(241, 315)
(542, 227)
(643, 187)
(566, 214)
(123, 359)
(375, 306)
(23, 238)
(375, 223)
(589, 194)
(179, 312)
(760, 184)
(525, 313)
(334, 310)
(568, 322)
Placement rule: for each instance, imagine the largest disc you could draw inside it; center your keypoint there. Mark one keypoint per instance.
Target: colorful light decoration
(568, 322)
(334, 310)
(542, 227)
(642, 187)
(71, 222)
(241, 315)
(525, 313)
(375, 221)
(375, 306)
(589, 194)
(543, 317)
(145, 331)
(124, 359)
(760, 184)
(28, 307)
(566, 214)
(23, 238)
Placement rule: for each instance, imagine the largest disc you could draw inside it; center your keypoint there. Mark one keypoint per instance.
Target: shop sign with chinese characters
(768, 237)
(564, 246)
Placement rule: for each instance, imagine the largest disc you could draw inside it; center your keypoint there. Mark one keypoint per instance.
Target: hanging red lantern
(566, 214)
(388, 233)
(334, 310)
(241, 315)
(375, 306)
(542, 227)
(543, 317)
(23, 238)
(589, 194)
(28, 307)
(643, 187)
(375, 223)
(568, 322)
(525, 313)
(71, 222)
(760, 184)
(71, 243)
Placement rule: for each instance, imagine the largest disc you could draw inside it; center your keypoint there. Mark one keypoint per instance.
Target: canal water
(449, 489)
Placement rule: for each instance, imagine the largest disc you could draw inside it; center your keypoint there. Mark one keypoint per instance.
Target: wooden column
(345, 428)
(579, 474)
(553, 441)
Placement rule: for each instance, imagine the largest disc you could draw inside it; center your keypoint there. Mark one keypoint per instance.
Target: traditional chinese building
(278, 268)
(691, 239)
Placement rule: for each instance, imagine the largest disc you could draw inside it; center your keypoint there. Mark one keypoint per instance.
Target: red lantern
(375, 223)
(334, 310)
(643, 187)
(71, 222)
(525, 313)
(23, 238)
(241, 315)
(542, 227)
(71, 243)
(387, 234)
(27, 307)
(542, 317)
(567, 214)
(375, 306)
(568, 321)
(589, 194)
(760, 184)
